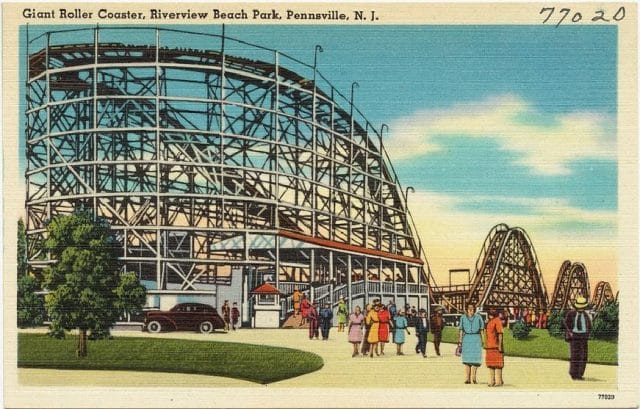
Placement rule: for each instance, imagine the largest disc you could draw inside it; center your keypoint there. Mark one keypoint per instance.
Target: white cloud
(453, 237)
(545, 143)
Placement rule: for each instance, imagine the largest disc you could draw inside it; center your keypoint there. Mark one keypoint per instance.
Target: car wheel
(206, 327)
(154, 326)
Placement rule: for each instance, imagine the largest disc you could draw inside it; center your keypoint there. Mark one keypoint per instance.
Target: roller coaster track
(572, 282)
(507, 272)
(601, 294)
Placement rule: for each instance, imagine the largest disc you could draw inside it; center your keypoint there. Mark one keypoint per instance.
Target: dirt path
(340, 369)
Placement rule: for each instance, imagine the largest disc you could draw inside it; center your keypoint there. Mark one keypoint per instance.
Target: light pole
(354, 85)
(315, 65)
(381, 150)
(406, 196)
(315, 58)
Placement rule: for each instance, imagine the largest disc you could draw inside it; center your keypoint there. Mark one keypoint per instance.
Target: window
(266, 299)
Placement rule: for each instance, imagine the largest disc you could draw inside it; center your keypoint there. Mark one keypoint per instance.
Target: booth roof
(265, 288)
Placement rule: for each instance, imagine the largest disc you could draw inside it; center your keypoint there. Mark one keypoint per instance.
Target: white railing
(357, 288)
(387, 287)
(287, 287)
(321, 292)
(340, 291)
(373, 287)
(322, 299)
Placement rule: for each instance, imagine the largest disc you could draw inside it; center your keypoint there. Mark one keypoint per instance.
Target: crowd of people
(531, 317)
(369, 331)
(379, 324)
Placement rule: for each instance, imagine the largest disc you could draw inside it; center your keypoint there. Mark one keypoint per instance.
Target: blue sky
(513, 124)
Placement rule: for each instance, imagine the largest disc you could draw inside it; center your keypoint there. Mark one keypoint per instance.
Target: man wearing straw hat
(577, 326)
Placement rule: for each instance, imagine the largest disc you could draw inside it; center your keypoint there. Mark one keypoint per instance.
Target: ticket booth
(266, 308)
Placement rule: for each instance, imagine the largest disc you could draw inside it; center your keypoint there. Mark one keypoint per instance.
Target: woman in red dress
(383, 330)
(305, 306)
(495, 352)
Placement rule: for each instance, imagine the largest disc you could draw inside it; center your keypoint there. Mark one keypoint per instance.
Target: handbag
(459, 350)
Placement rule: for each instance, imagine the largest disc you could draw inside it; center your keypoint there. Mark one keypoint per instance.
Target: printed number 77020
(576, 16)
(606, 396)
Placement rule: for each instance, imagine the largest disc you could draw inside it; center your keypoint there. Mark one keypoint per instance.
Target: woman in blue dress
(470, 338)
(400, 327)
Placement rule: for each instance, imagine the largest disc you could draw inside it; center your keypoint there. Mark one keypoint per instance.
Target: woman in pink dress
(356, 322)
(385, 324)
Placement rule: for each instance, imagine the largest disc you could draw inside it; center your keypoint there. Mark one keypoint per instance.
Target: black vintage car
(186, 316)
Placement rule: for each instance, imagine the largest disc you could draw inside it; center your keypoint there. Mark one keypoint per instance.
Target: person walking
(393, 310)
(296, 297)
(235, 316)
(342, 314)
(437, 326)
(312, 318)
(326, 320)
(401, 325)
(384, 328)
(470, 338)
(305, 307)
(226, 314)
(364, 350)
(356, 322)
(374, 327)
(494, 356)
(422, 329)
(577, 327)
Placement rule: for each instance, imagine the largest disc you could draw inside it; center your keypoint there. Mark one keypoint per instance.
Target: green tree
(131, 295)
(520, 330)
(83, 282)
(30, 305)
(22, 249)
(605, 324)
(555, 323)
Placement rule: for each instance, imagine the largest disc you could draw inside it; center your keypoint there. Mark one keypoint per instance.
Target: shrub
(520, 330)
(605, 324)
(555, 323)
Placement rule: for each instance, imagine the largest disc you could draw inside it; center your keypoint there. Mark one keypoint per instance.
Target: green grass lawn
(539, 344)
(256, 363)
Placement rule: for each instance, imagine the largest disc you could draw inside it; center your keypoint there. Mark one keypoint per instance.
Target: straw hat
(580, 303)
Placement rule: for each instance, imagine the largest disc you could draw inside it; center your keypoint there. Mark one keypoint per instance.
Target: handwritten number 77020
(566, 15)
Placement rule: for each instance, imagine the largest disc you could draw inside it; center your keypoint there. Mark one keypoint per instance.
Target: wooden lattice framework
(201, 159)
(602, 294)
(572, 282)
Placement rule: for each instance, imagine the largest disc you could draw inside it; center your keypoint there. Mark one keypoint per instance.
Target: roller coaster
(219, 166)
(507, 275)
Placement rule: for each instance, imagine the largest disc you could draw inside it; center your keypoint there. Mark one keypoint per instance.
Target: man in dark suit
(437, 326)
(577, 326)
(422, 329)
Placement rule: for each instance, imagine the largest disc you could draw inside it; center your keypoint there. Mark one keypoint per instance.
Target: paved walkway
(341, 370)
